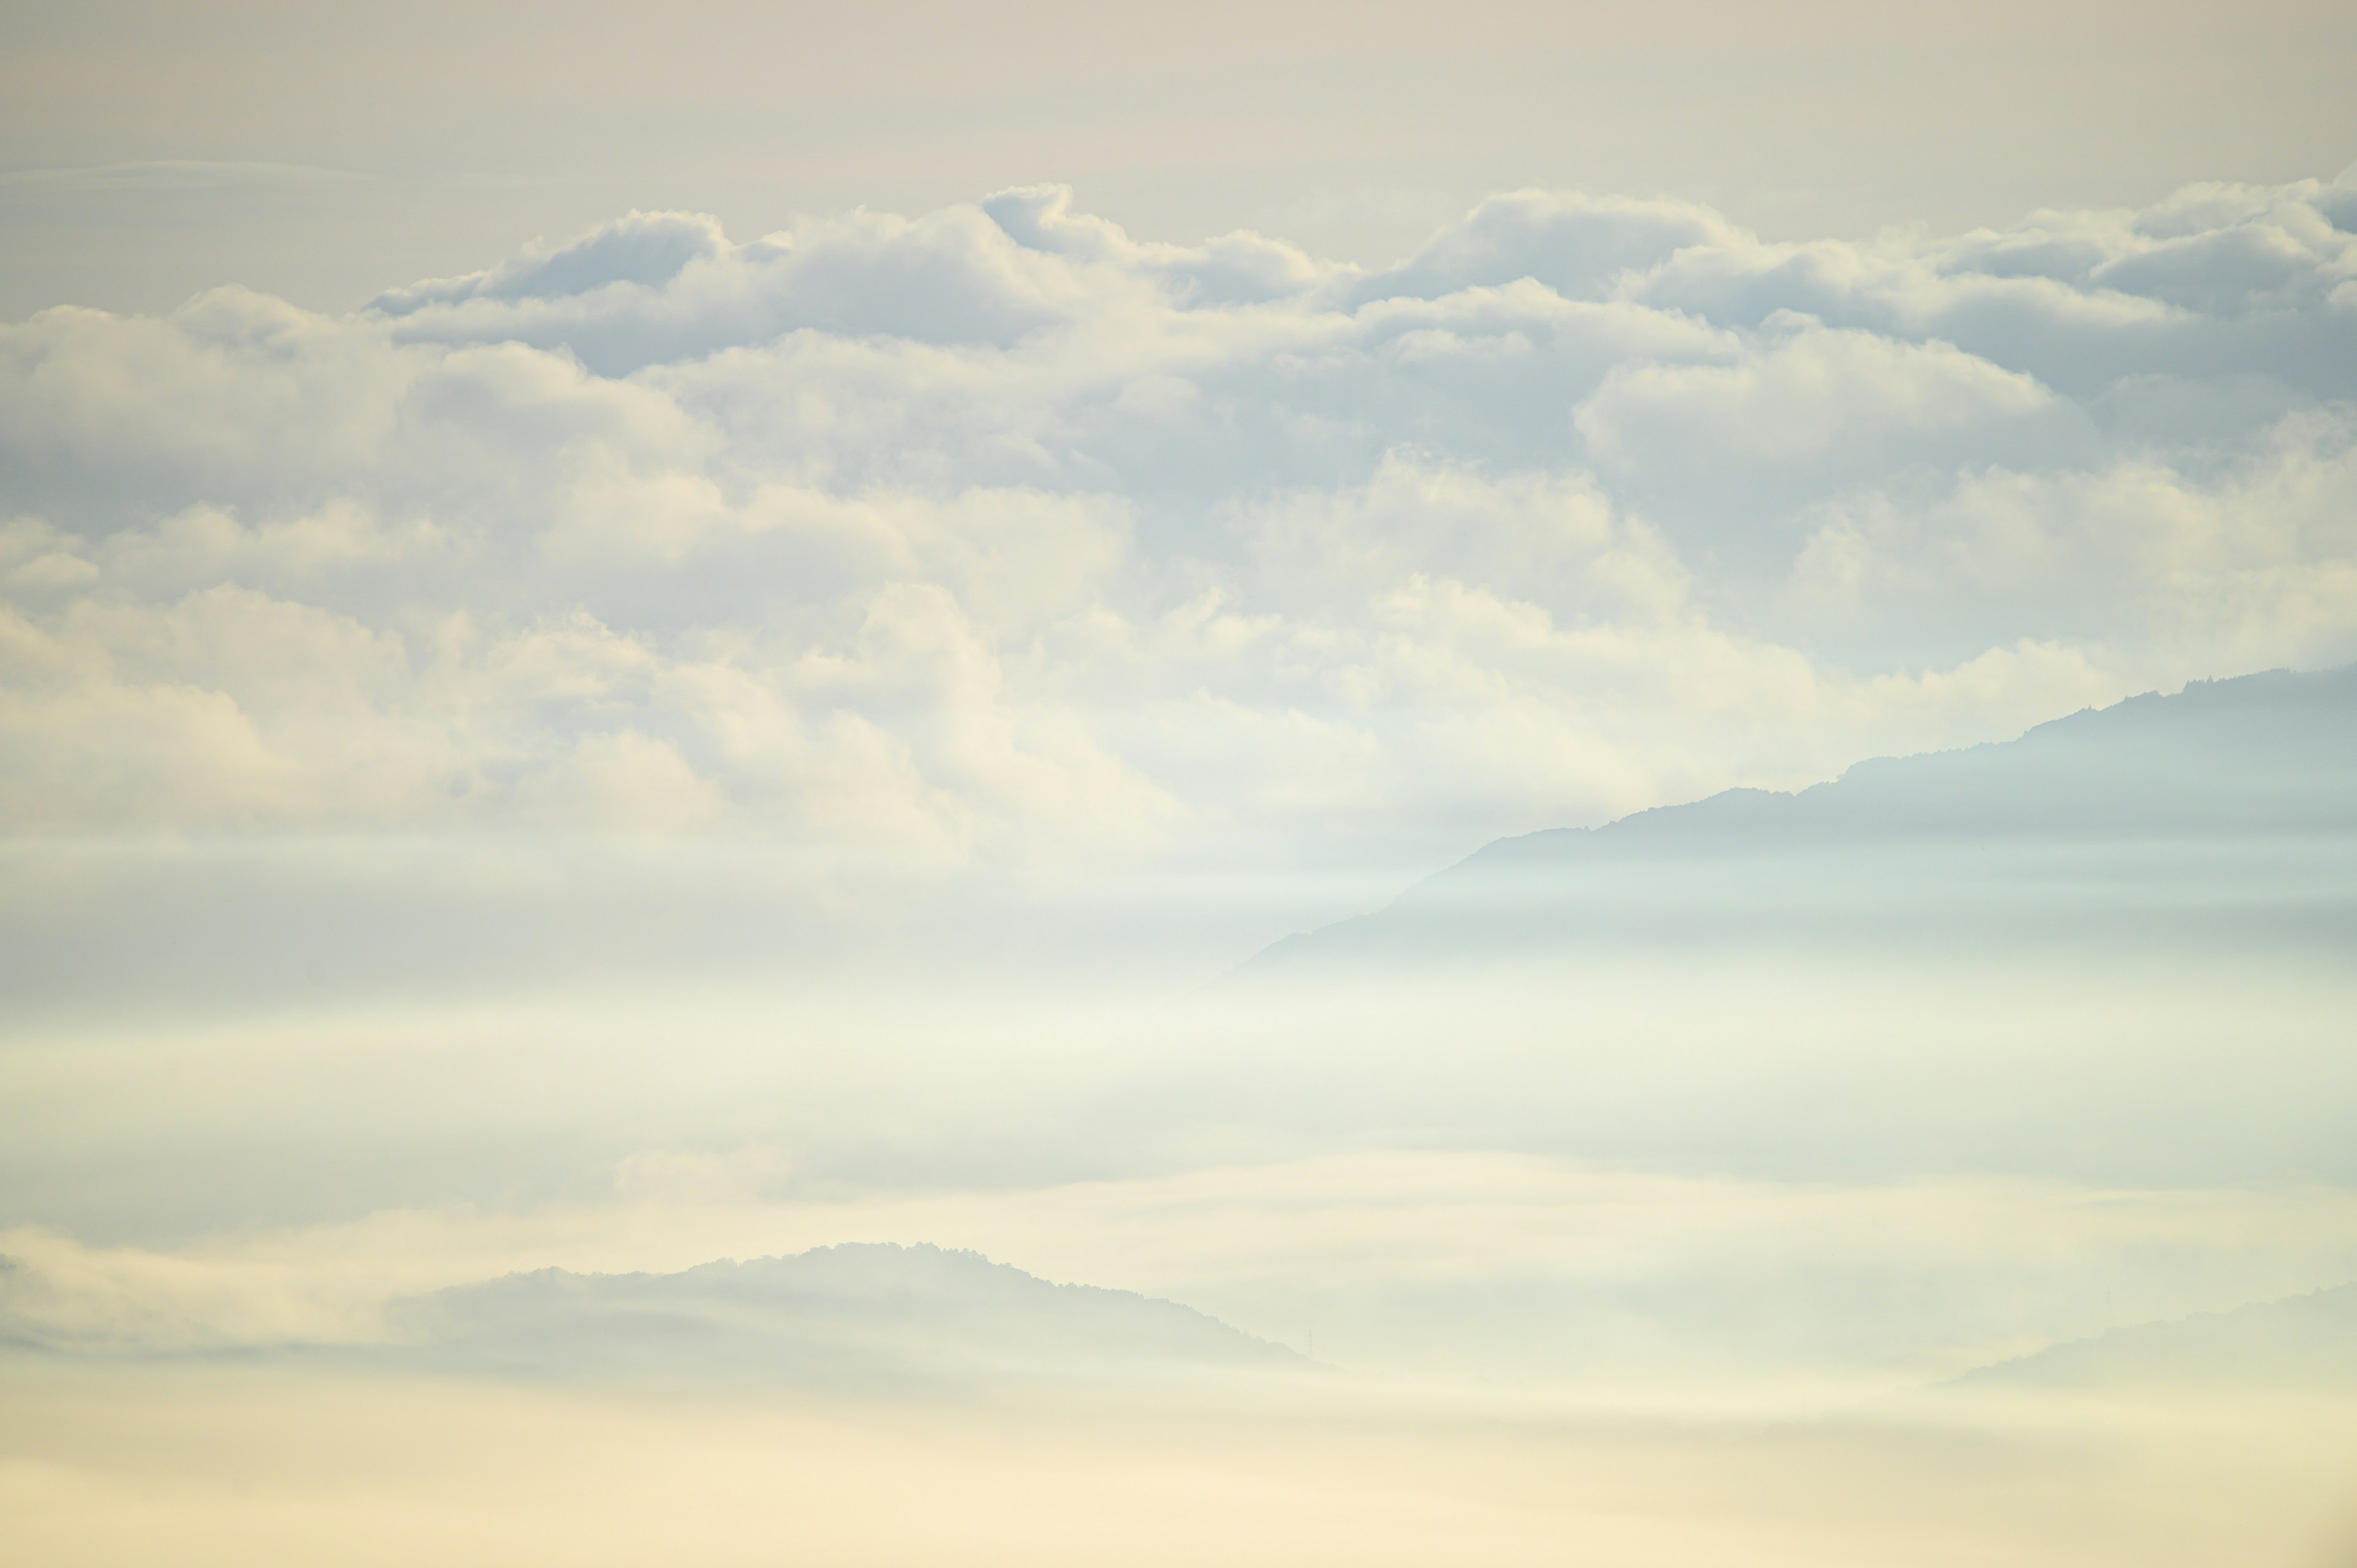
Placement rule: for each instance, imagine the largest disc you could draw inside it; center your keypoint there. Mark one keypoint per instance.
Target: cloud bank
(995, 535)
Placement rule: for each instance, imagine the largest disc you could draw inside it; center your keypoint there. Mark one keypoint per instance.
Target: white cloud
(1813, 399)
(1575, 245)
(994, 531)
(1395, 1251)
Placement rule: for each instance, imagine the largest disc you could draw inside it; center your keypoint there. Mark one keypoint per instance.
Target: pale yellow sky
(422, 139)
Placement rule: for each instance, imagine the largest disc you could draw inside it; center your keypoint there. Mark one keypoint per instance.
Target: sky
(635, 639)
(325, 153)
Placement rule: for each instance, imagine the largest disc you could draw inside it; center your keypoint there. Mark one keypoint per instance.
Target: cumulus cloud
(995, 532)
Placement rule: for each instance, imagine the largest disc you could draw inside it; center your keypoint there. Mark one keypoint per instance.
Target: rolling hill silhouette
(2225, 812)
(2303, 1342)
(848, 1313)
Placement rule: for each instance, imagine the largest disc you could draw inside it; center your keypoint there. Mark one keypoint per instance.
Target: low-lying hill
(839, 1313)
(2304, 1342)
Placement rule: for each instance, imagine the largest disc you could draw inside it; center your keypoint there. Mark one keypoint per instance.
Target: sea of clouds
(993, 536)
(417, 726)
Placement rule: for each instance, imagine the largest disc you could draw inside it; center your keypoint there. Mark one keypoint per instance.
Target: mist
(1641, 862)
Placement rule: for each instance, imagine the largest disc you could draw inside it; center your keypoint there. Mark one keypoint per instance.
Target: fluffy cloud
(995, 531)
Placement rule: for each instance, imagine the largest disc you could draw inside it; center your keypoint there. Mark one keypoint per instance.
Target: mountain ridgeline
(2224, 813)
(849, 1314)
(2305, 1343)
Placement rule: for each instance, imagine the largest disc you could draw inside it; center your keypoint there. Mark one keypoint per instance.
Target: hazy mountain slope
(846, 1312)
(2301, 1342)
(2225, 811)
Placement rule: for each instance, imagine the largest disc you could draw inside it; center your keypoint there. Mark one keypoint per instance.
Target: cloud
(1577, 245)
(1409, 1258)
(993, 531)
(646, 249)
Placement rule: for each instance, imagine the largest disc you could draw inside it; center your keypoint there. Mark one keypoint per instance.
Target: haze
(1061, 785)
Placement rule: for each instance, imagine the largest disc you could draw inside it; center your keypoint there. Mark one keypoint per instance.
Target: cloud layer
(993, 533)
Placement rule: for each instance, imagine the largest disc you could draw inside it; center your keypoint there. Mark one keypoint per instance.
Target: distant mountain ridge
(2283, 747)
(2241, 791)
(2304, 1342)
(853, 1313)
